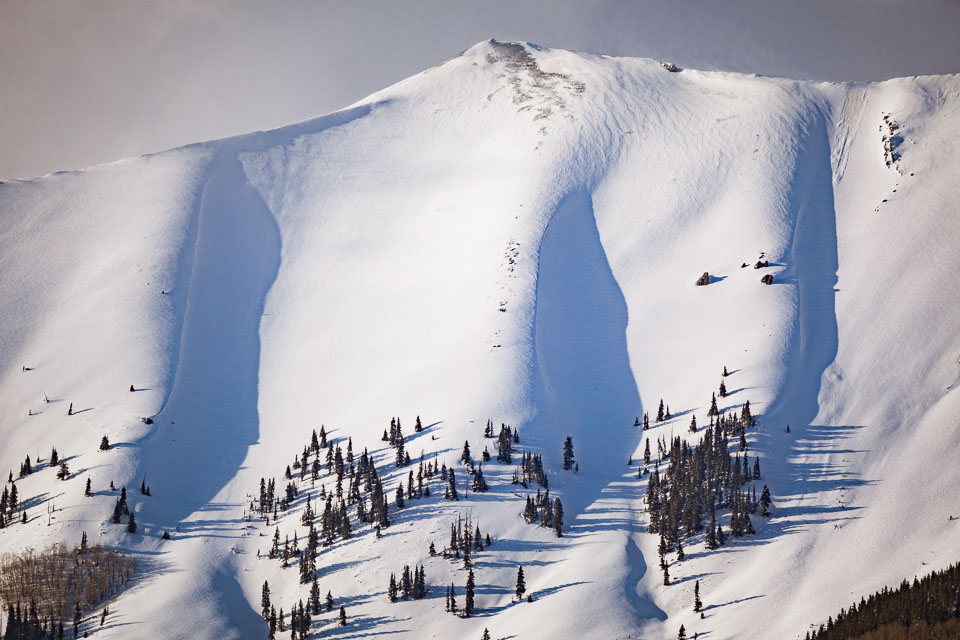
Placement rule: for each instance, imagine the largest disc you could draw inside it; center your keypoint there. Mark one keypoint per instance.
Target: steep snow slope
(513, 235)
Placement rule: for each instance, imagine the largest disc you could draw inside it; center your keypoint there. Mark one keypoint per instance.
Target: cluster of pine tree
(300, 621)
(468, 599)
(357, 485)
(465, 539)
(702, 479)
(9, 505)
(540, 510)
(927, 608)
(121, 510)
(663, 414)
(410, 586)
(26, 468)
(530, 470)
(395, 438)
(300, 615)
(507, 437)
(448, 475)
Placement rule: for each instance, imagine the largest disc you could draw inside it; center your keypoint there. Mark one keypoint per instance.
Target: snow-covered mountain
(513, 235)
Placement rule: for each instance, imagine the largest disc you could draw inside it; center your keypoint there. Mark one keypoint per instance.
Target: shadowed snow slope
(512, 235)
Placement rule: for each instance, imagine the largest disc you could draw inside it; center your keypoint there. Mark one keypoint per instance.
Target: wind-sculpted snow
(513, 235)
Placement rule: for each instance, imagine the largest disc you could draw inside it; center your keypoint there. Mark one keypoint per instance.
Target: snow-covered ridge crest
(513, 235)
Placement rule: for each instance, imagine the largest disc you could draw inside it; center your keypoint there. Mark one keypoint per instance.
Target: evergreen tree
(660, 414)
(723, 390)
(64, 472)
(452, 486)
(521, 584)
(88, 491)
(693, 424)
(406, 583)
(486, 634)
(765, 502)
(683, 634)
(104, 443)
(465, 457)
(328, 601)
(468, 599)
(132, 524)
(568, 454)
(343, 616)
(418, 427)
(646, 453)
(265, 601)
(711, 539)
(558, 517)
(54, 457)
(314, 600)
(479, 483)
(77, 618)
(392, 589)
(275, 547)
(697, 604)
(401, 454)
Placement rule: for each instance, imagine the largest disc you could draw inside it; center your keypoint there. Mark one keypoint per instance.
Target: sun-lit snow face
(514, 236)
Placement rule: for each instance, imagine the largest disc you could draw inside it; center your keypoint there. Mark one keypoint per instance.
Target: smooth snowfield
(514, 235)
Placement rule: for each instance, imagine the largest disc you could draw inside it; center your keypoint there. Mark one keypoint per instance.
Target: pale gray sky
(88, 82)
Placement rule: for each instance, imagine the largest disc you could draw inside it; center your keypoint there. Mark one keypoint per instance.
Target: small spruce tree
(265, 601)
(568, 459)
(468, 599)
